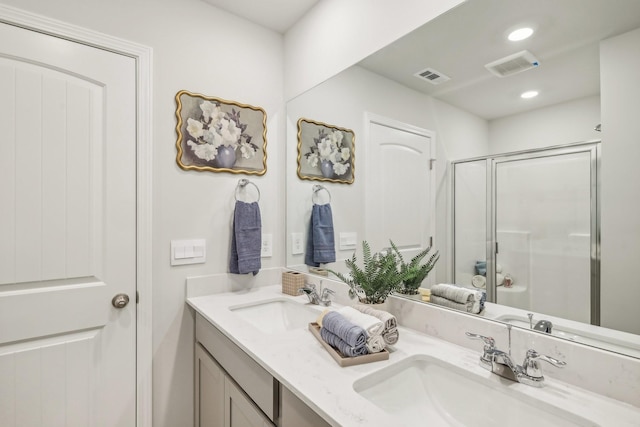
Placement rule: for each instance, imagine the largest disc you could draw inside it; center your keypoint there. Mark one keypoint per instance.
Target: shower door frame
(593, 148)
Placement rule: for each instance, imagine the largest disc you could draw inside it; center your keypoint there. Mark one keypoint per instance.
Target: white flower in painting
(345, 153)
(209, 110)
(340, 168)
(213, 138)
(247, 151)
(336, 137)
(312, 160)
(333, 157)
(230, 132)
(194, 127)
(203, 151)
(325, 148)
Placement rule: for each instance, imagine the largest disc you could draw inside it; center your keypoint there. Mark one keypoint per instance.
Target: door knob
(120, 300)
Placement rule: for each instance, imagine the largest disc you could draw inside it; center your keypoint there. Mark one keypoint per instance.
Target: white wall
(202, 49)
(342, 101)
(620, 62)
(572, 121)
(336, 34)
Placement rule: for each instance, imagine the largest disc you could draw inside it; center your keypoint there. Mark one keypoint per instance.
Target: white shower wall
(543, 231)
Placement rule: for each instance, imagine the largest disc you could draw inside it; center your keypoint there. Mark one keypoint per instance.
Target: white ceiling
(278, 15)
(462, 41)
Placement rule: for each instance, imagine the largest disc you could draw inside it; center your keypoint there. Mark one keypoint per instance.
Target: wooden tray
(347, 361)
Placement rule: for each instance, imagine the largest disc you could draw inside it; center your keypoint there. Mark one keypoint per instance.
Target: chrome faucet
(322, 298)
(542, 325)
(500, 363)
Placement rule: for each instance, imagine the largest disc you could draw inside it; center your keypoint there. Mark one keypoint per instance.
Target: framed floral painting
(325, 152)
(220, 136)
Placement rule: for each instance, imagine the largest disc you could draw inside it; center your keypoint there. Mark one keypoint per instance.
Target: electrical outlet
(296, 244)
(267, 245)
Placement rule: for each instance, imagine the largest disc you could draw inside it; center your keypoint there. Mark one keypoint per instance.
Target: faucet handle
(489, 347)
(489, 343)
(325, 298)
(531, 364)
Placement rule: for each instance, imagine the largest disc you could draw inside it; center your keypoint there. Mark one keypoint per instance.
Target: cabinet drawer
(259, 385)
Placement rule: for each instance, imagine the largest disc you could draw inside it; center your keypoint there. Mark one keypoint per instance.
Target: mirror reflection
(441, 110)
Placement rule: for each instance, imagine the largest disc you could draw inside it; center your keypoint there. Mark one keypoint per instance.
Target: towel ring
(242, 184)
(316, 189)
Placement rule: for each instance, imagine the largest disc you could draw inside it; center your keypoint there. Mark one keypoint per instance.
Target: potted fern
(413, 272)
(376, 280)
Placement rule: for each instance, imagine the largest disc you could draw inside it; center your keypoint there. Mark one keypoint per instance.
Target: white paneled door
(400, 186)
(67, 233)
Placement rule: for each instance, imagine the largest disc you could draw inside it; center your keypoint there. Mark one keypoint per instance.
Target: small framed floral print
(325, 152)
(220, 136)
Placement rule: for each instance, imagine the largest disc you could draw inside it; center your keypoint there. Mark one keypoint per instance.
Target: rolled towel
(371, 324)
(390, 333)
(448, 303)
(344, 348)
(447, 296)
(375, 344)
(479, 281)
(352, 334)
(452, 292)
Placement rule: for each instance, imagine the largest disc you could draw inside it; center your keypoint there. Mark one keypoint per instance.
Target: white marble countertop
(298, 361)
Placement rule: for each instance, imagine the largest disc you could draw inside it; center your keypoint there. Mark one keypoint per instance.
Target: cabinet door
(295, 413)
(239, 410)
(210, 390)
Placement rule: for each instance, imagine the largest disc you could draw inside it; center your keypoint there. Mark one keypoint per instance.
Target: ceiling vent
(513, 64)
(432, 76)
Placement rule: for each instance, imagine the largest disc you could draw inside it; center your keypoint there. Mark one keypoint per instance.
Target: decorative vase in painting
(226, 157)
(326, 168)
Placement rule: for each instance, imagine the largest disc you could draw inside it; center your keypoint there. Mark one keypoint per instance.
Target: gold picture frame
(325, 152)
(217, 135)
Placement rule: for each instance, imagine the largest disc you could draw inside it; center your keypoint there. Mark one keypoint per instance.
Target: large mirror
(441, 84)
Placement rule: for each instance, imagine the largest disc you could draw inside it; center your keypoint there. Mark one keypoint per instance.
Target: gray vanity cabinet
(219, 400)
(232, 390)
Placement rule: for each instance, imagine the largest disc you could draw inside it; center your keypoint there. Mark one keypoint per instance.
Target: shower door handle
(496, 247)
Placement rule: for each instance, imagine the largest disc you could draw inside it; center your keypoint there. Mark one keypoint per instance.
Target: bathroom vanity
(257, 364)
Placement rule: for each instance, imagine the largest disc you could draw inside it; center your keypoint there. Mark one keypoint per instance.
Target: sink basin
(615, 341)
(421, 389)
(277, 315)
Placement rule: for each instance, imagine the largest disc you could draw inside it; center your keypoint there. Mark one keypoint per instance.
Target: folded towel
(371, 324)
(246, 239)
(344, 348)
(390, 333)
(352, 334)
(321, 246)
(452, 296)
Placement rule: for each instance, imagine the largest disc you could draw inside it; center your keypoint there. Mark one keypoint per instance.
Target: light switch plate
(348, 241)
(296, 244)
(267, 245)
(188, 251)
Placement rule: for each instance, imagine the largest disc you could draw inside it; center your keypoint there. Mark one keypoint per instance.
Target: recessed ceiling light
(520, 34)
(529, 94)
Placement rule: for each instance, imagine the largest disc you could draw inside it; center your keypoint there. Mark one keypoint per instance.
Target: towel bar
(242, 184)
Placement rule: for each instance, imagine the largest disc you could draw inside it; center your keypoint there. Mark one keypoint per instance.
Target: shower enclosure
(533, 218)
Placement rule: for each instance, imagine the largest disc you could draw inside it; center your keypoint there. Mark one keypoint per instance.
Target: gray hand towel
(352, 334)
(246, 239)
(344, 348)
(321, 246)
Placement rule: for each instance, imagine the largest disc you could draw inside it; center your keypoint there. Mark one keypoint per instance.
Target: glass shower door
(543, 232)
